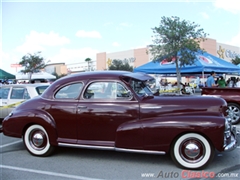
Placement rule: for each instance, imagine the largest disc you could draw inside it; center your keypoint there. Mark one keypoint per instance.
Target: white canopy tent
(35, 76)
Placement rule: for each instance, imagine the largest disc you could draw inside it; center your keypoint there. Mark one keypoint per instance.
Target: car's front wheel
(192, 151)
(36, 141)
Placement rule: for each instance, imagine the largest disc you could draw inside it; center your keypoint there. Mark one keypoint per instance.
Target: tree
(119, 65)
(177, 41)
(88, 60)
(236, 60)
(32, 63)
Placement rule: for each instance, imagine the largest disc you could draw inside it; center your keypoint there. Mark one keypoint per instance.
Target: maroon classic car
(116, 110)
(231, 95)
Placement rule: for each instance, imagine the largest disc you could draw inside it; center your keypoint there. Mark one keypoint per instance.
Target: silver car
(14, 94)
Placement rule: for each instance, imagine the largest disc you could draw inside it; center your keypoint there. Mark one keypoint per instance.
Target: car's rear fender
(16, 123)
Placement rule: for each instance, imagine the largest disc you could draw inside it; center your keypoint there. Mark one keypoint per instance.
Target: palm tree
(88, 60)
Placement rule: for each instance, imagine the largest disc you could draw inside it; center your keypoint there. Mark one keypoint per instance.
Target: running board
(111, 148)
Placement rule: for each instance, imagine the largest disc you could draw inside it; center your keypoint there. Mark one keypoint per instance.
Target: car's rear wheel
(36, 141)
(192, 151)
(234, 112)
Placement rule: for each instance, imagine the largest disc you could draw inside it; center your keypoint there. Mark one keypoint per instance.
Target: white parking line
(9, 144)
(47, 173)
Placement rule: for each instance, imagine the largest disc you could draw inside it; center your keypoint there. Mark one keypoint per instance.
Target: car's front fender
(158, 133)
(162, 131)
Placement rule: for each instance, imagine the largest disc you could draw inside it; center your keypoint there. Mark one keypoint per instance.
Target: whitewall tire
(192, 151)
(36, 141)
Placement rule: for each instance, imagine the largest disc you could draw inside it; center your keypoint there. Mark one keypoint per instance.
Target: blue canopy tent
(204, 63)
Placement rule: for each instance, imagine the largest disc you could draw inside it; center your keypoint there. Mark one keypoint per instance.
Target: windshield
(141, 88)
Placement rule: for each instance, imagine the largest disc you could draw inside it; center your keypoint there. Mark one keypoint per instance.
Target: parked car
(230, 95)
(14, 94)
(125, 115)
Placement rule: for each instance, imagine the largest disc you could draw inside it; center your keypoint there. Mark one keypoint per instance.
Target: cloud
(204, 15)
(116, 44)
(229, 5)
(90, 34)
(7, 60)
(36, 41)
(70, 56)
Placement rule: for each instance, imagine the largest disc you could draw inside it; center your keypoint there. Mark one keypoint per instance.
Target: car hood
(187, 105)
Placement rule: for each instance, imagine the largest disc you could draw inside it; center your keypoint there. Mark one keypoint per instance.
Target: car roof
(97, 75)
(109, 74)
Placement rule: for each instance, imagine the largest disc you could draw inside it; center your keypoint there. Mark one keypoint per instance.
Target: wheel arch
(52, 132)
(43, 119)
(178, 155)
(187, 132)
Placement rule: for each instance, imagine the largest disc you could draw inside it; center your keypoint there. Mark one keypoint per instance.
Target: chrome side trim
(140, 151)
(86, 146)
(111, 148)
(153, 107)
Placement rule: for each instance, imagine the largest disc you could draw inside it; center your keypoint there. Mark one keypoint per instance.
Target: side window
(121, 92)
(106, 90)
(4, 93)
(17, 93)
(71, 91)
(98, 90)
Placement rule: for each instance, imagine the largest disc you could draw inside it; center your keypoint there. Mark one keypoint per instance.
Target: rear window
(41, 89)
(71, 91)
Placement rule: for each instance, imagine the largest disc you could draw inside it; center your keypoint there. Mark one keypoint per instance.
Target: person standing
(221, 82)
(210, 80)
(238, 82)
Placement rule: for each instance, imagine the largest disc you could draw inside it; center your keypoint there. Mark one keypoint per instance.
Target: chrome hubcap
(37, 139)
(192, 150)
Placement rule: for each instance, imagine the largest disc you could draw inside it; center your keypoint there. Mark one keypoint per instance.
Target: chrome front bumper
(232, 142)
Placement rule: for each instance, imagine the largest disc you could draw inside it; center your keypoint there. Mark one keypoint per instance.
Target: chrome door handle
(82, 107)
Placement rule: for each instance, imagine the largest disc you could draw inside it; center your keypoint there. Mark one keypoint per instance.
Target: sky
(71, 31)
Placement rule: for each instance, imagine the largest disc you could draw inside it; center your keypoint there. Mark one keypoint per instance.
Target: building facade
(138, 57)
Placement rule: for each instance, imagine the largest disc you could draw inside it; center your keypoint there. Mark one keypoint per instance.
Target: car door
(102, 110)
(63, 110)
